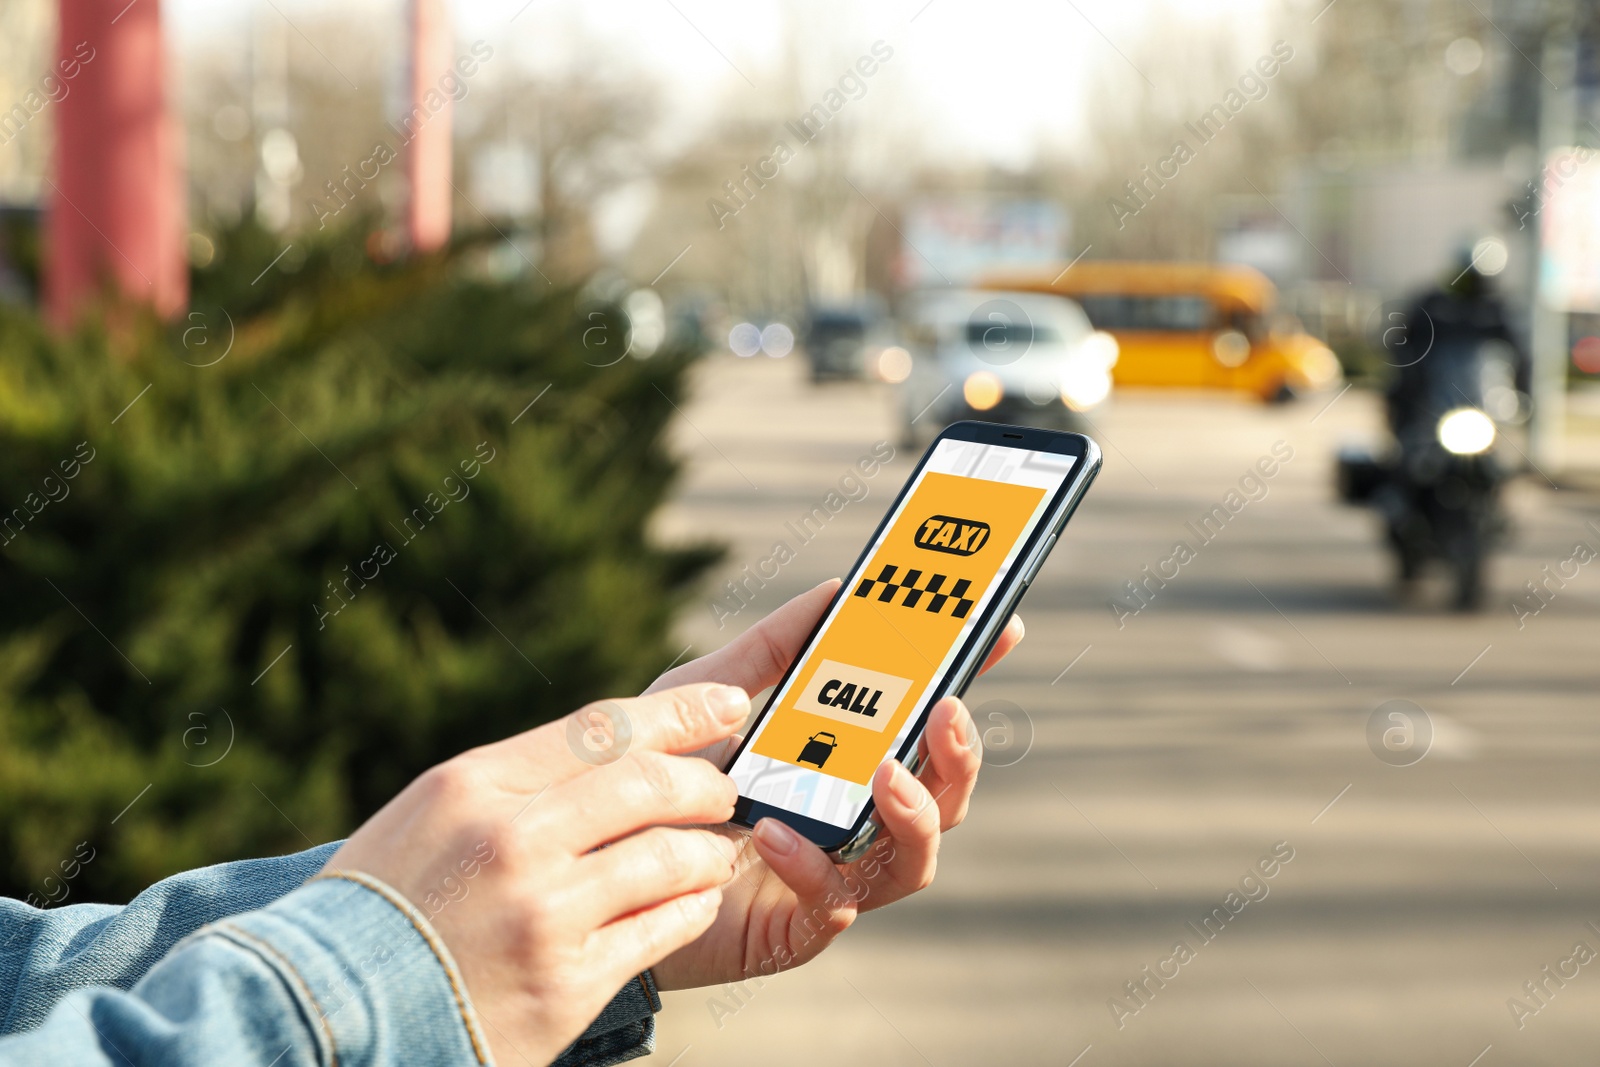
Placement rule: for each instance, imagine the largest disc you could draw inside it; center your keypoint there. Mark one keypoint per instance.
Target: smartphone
(917, 615)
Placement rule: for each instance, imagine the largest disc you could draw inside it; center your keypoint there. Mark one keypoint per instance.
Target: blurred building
(27, 30)
(1396, 228)
(27, 33)
(1423, 136)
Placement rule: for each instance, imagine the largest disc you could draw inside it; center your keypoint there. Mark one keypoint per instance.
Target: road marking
(1297, 630)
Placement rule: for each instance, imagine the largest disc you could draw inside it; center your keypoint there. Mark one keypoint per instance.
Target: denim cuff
(375, 982)
(625, 1030)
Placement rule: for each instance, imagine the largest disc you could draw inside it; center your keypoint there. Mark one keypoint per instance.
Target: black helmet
(1475, 263)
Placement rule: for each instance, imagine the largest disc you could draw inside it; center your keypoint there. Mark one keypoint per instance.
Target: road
(1184, 744)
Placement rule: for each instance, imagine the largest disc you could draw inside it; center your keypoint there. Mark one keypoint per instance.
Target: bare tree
(583, 132)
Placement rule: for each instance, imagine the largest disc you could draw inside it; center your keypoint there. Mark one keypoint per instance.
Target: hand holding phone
(784, 911)
(789, 900)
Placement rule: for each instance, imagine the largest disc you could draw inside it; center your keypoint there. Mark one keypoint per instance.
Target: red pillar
(428, 154)
(116, 197)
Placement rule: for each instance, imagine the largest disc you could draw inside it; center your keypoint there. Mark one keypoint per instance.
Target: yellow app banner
(907, 606)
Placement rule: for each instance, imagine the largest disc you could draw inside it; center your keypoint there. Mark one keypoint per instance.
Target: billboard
(1569, 230)
(952, 240)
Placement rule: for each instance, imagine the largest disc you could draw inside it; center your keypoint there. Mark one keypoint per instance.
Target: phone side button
(1039, 562)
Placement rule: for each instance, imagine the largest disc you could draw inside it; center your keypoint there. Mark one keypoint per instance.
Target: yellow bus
(1191, 325)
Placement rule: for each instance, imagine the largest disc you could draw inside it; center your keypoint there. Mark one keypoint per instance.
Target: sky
(989, 80)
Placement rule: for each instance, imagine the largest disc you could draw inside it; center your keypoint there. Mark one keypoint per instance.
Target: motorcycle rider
(1453, 351)
(1443, 325)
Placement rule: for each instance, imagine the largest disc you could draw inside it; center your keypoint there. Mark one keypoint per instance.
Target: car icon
(818, 749)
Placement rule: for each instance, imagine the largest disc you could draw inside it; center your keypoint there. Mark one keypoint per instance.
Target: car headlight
(1321, 367)
(1466, 432)
(982, 390)
(1100, 347)
(1084, 387)
(1230, 348)
(893, 364)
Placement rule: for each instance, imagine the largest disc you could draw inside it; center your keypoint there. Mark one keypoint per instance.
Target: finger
(720, 753)
(953, 759)
(683, 718)
(903, 863)
(675, 720)
(1009, 638)
(641, 789)
(758, 657)
(650, 867)
(641, 940)
(826, 899)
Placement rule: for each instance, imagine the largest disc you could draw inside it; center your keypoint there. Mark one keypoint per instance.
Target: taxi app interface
(900, 625)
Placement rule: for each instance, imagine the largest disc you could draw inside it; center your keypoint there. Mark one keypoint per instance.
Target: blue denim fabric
(44, 955)
(242, 963)
(625, 1029)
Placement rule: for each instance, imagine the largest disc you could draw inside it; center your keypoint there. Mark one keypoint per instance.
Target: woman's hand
(790, 901)
(500, 848)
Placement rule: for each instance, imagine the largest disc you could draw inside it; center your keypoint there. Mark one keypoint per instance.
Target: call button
(853, 695)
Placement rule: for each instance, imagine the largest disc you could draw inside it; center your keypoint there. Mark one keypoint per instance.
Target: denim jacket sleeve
(340, 970)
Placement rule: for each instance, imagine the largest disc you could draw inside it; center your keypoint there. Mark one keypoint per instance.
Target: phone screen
(861, 685)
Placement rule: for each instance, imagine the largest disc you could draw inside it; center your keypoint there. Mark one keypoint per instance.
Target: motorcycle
(1439, 486)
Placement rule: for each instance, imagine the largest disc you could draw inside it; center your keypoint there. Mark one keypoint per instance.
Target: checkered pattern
(934, 590)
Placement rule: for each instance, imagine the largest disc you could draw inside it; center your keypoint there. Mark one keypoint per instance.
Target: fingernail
(777, 837)
(729, 703)
(904, 786)
(1022, 627)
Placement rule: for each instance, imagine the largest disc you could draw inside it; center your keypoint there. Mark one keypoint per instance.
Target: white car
(1024, 358)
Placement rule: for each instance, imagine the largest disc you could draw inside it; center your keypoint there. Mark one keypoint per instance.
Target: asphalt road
(1230, 715)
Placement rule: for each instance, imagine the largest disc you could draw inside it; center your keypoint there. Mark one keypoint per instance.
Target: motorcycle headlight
(1466, 432)
(982, 390)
